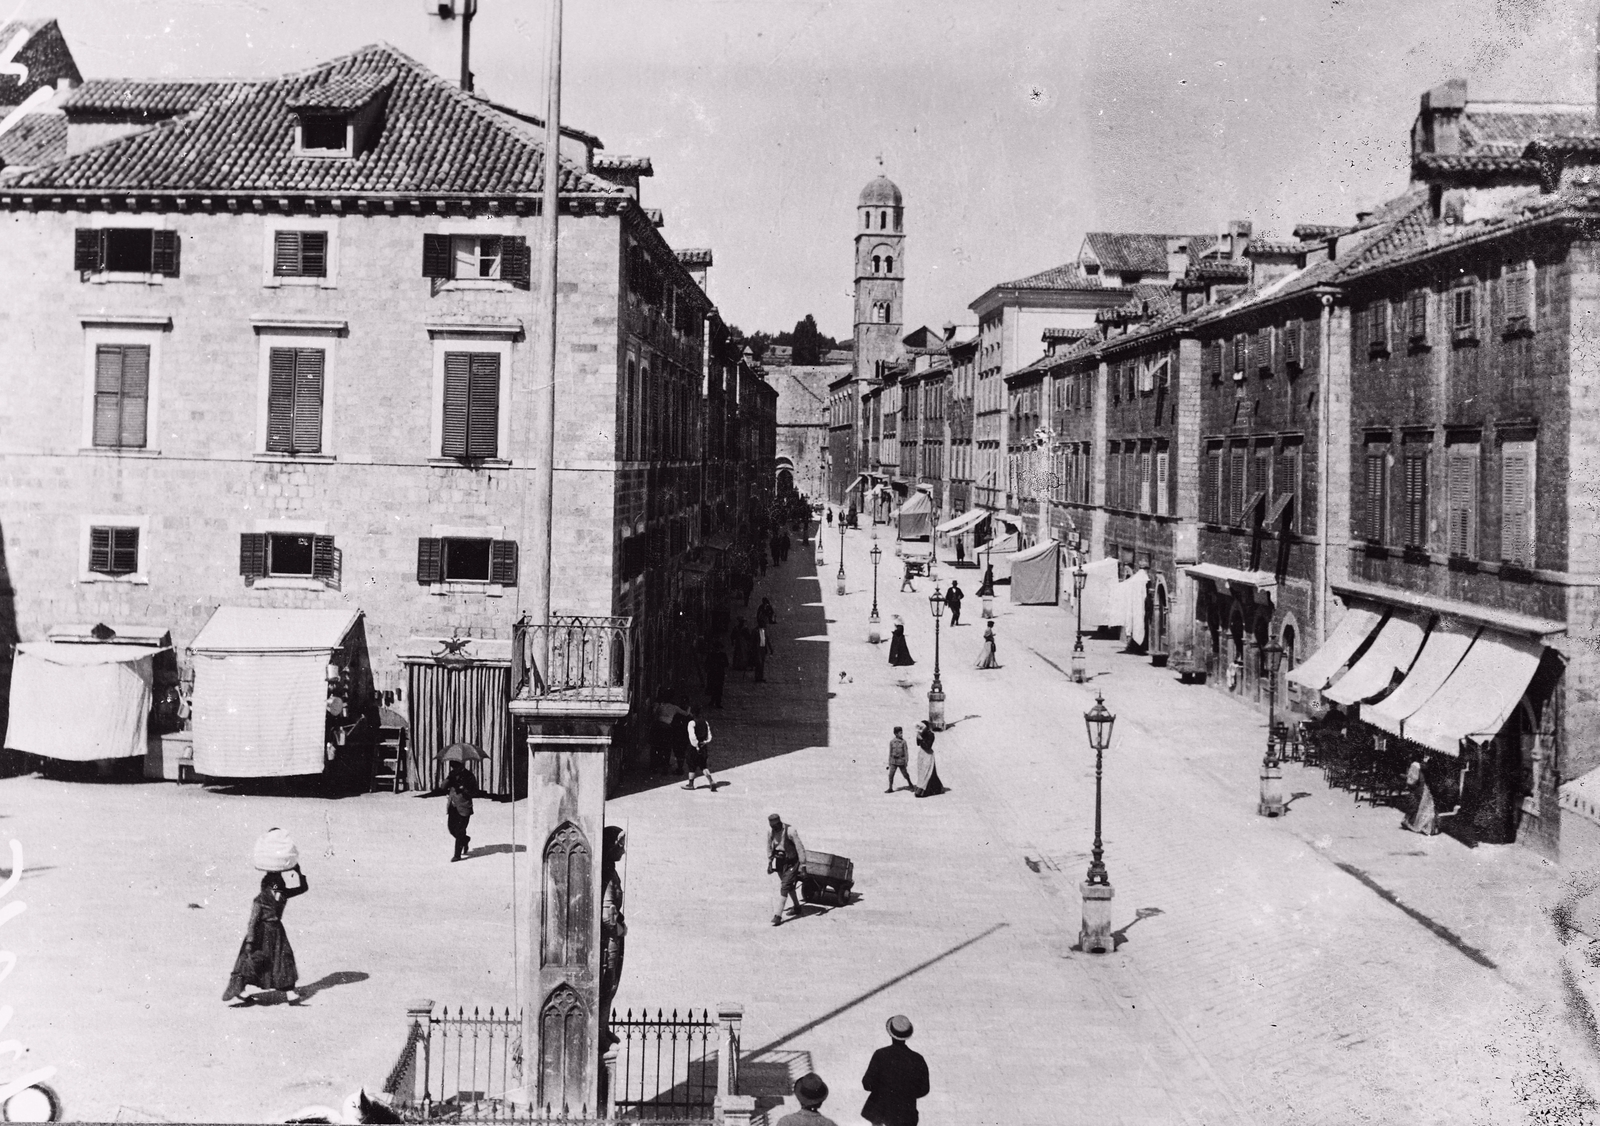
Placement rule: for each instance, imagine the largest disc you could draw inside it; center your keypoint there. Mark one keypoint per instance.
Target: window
(1517, 503)
(888, 264)
(877, 264)
(113, 551)
(300, 254)
(1215, 487)
(1461, 498)
(1163, 459)
(125, 250)
(1377, 493)
(1236, 484)
(1291, 345)
(1261, 350)
(291, 555)
(324, 134)
(1417, 318)
(1378, 328)
(1464, 313)
(1517, 285)
(471, 405)
(121, 395)
(466, 559)
(1286, 484)
(1146, 480)
(294, 400)
(485, 258)
(1241, 354)
(1415, 519)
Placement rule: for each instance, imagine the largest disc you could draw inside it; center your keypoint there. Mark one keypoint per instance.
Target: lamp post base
(1271, 803)
(936, 708)
(874, 631)
(840, 585)
(1095, 937)
(1077, 666)
(988, 606)
(820, 559)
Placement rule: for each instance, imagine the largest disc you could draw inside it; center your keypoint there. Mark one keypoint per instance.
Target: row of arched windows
(883, 220)
(881, 313)
(883, 263)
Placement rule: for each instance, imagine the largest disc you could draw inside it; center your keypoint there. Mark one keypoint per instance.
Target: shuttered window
(1464, 313)
(481, 257)
(1415, 526)
(289, 555)
(1211, 358)
(1517, 503)
(1378, 328)
(1377, 494)
(1146, 477)
(300, 254)
(1241, 353)
(121, 395)
(1286, 485)
(1214, 485)
(128, 250)
(1291, 344)
(466, 559)
(471, 405)
(1261, 350)
(1163, 459)
(114, 551)
(1517, 285)
(1236, 484)
(1461, 499)
(294, 400)
(1417, 317)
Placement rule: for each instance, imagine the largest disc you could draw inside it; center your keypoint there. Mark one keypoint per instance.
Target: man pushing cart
(816, 874)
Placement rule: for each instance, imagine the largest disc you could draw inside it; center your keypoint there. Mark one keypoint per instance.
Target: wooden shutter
(164, 253)
(1417, 317)
(1461, 488)
(1376, 468)
(88, 249)
(100, 550)
(1213, 484)
(253, 555)
(1162, 459)
(430, 559)
(280, 400)
(1416, 499)
(457, 385)
(314, 254)
(1291, 344)
(324, 561)
(108, 390)
(1377, 328)
(1517, 292)
(308, 366)
(436, 258)
(516, 264)
(1516, 504)
(1311, 345)
(1236, 484)
(1464, 302)
(503, 562)
(135, 395)
(1261, 350)
(483, 406)
(285, 254)
(123, 550)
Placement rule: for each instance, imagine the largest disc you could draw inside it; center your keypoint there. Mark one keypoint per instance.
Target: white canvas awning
(1354, 628)
(1262, 580)
(1479, 695)
(261, 690)
(81, 702)
(1391, 652)
(956, 525)
(1440, 655)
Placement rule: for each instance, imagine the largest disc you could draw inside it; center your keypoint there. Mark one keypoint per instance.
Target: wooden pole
(544, 358)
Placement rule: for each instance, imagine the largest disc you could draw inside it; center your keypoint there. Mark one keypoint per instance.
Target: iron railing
(576, 658)
(665, 1066)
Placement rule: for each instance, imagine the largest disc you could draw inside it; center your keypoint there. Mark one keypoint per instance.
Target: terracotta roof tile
(1508, 126)
(1067, 276)
(1445, 163)
(34, 139)
(345, 91)
(1121, 252)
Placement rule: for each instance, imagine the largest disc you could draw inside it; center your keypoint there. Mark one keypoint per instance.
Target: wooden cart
(824, 875)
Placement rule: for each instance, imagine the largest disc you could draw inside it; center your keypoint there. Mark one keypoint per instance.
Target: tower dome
(880, 193)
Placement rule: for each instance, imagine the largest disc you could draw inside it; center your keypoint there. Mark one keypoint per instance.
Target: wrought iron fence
(584, 658)
(665, 1068)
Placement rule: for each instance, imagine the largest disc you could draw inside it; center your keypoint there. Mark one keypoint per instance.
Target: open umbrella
(462, 752)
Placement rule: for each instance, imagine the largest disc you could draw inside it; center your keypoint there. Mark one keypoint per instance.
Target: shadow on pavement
(328, 981)
(491, 850)
(1118, 937)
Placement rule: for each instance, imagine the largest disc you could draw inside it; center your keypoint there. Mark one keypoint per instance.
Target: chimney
(949, 329)
(1439, 119)
(1238, 237)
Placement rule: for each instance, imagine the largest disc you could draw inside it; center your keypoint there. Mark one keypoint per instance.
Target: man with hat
(811, 1092)
(896, 1078)
(784, 851)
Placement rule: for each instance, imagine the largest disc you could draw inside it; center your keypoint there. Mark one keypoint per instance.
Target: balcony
(576, 665)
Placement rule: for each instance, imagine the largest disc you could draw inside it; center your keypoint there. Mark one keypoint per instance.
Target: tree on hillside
(808, 343)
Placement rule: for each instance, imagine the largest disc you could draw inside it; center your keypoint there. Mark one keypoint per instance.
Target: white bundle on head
(275, 851)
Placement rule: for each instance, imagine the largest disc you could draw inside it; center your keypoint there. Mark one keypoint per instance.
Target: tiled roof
(344, 91)
(638, 165)
(1446, 163)
(1314, 232)
(1224, 270)
(1508, 126)
(694, 257)
(1050, 334)
(1260, 246)
(1067, 276)
(1563, 144)
(1123, 253)
(239, 137)
(34, 139)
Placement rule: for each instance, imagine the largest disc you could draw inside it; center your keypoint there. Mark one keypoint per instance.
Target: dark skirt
(266, 960)
(899, 653)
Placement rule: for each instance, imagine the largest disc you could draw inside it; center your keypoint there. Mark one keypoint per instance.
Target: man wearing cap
(784, 851)
(896, 1078)
(810, 1091)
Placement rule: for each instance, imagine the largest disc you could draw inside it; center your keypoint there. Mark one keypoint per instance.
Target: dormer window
(340, 116)
(324, 135)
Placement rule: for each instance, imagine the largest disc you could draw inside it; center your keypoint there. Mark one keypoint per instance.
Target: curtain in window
(465, 705)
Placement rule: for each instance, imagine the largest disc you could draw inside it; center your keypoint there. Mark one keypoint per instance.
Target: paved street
(1325, 968)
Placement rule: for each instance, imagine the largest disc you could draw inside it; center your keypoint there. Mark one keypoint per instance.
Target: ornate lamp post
(1095, 936)
(841, 557)
(936, 692)
(1271, 803)
(874, 631)
(1080, 578)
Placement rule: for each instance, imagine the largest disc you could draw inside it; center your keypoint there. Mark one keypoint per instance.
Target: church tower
(880, 275)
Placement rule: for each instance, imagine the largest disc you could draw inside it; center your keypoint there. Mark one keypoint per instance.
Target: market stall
(914, 518)
(86, 693)
(1036, 575)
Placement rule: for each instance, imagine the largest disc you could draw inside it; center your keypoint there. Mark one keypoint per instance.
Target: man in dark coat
(460, 787)
(952, 599)
(896, 1078)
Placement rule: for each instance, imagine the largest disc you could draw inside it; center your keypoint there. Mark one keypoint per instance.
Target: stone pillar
(563, 1022)
(732, 1018)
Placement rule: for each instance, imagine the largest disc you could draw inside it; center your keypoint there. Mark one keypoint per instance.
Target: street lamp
(841, 557)
(1080, 579)
(936, 692)
(874, 632)
(1095, 936)
(1271, 803)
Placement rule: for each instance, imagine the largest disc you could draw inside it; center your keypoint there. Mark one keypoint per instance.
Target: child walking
(897, 760)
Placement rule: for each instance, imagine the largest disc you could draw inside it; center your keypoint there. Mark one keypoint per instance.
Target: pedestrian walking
(986, 651)
(1424, 815)
(897, 761)
(716, 672)
(986, 587)
(952, 601)
(784, 853)
(896, 1078)
(460, 787)
(662, 753)
(765, 614)
(266, 960)
(961, 550)
(784, 544)
(699, 742)
(810, 1092)
(906, 580)
(762, 649)
(899, 654)
(927, 784)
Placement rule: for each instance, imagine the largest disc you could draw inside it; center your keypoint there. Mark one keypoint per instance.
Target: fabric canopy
(1130, 604)
(80, 702)
(1479, 696)
(261, 690)
(958, 524)
(1261, 580)
(914, 519)
(1391, 652)
(1036, 575)
(1440, 655)
(1354, 628)
(1099, 593)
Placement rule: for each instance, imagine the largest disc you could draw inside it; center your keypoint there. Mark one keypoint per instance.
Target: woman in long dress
(986, 656)
(266, 960)
(1424, 816)
(928, 783)
(898, 653)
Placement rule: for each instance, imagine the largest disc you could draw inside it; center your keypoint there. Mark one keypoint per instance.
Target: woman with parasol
(460, 787)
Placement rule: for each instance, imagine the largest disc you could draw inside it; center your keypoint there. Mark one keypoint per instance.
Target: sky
(1011, 126)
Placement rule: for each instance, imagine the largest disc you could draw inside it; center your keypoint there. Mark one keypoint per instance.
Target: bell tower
(880, 275)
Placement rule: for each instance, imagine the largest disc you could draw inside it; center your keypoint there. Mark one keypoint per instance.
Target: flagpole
(544, 359)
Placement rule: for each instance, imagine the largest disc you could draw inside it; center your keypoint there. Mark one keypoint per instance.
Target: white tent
(1130, 596)
(81, 702)
(1036, 575)
(914, 519)
(261, 690)
(1099, 593)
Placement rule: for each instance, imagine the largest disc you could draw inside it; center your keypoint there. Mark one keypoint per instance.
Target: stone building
(803, 425)
(293, 373)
